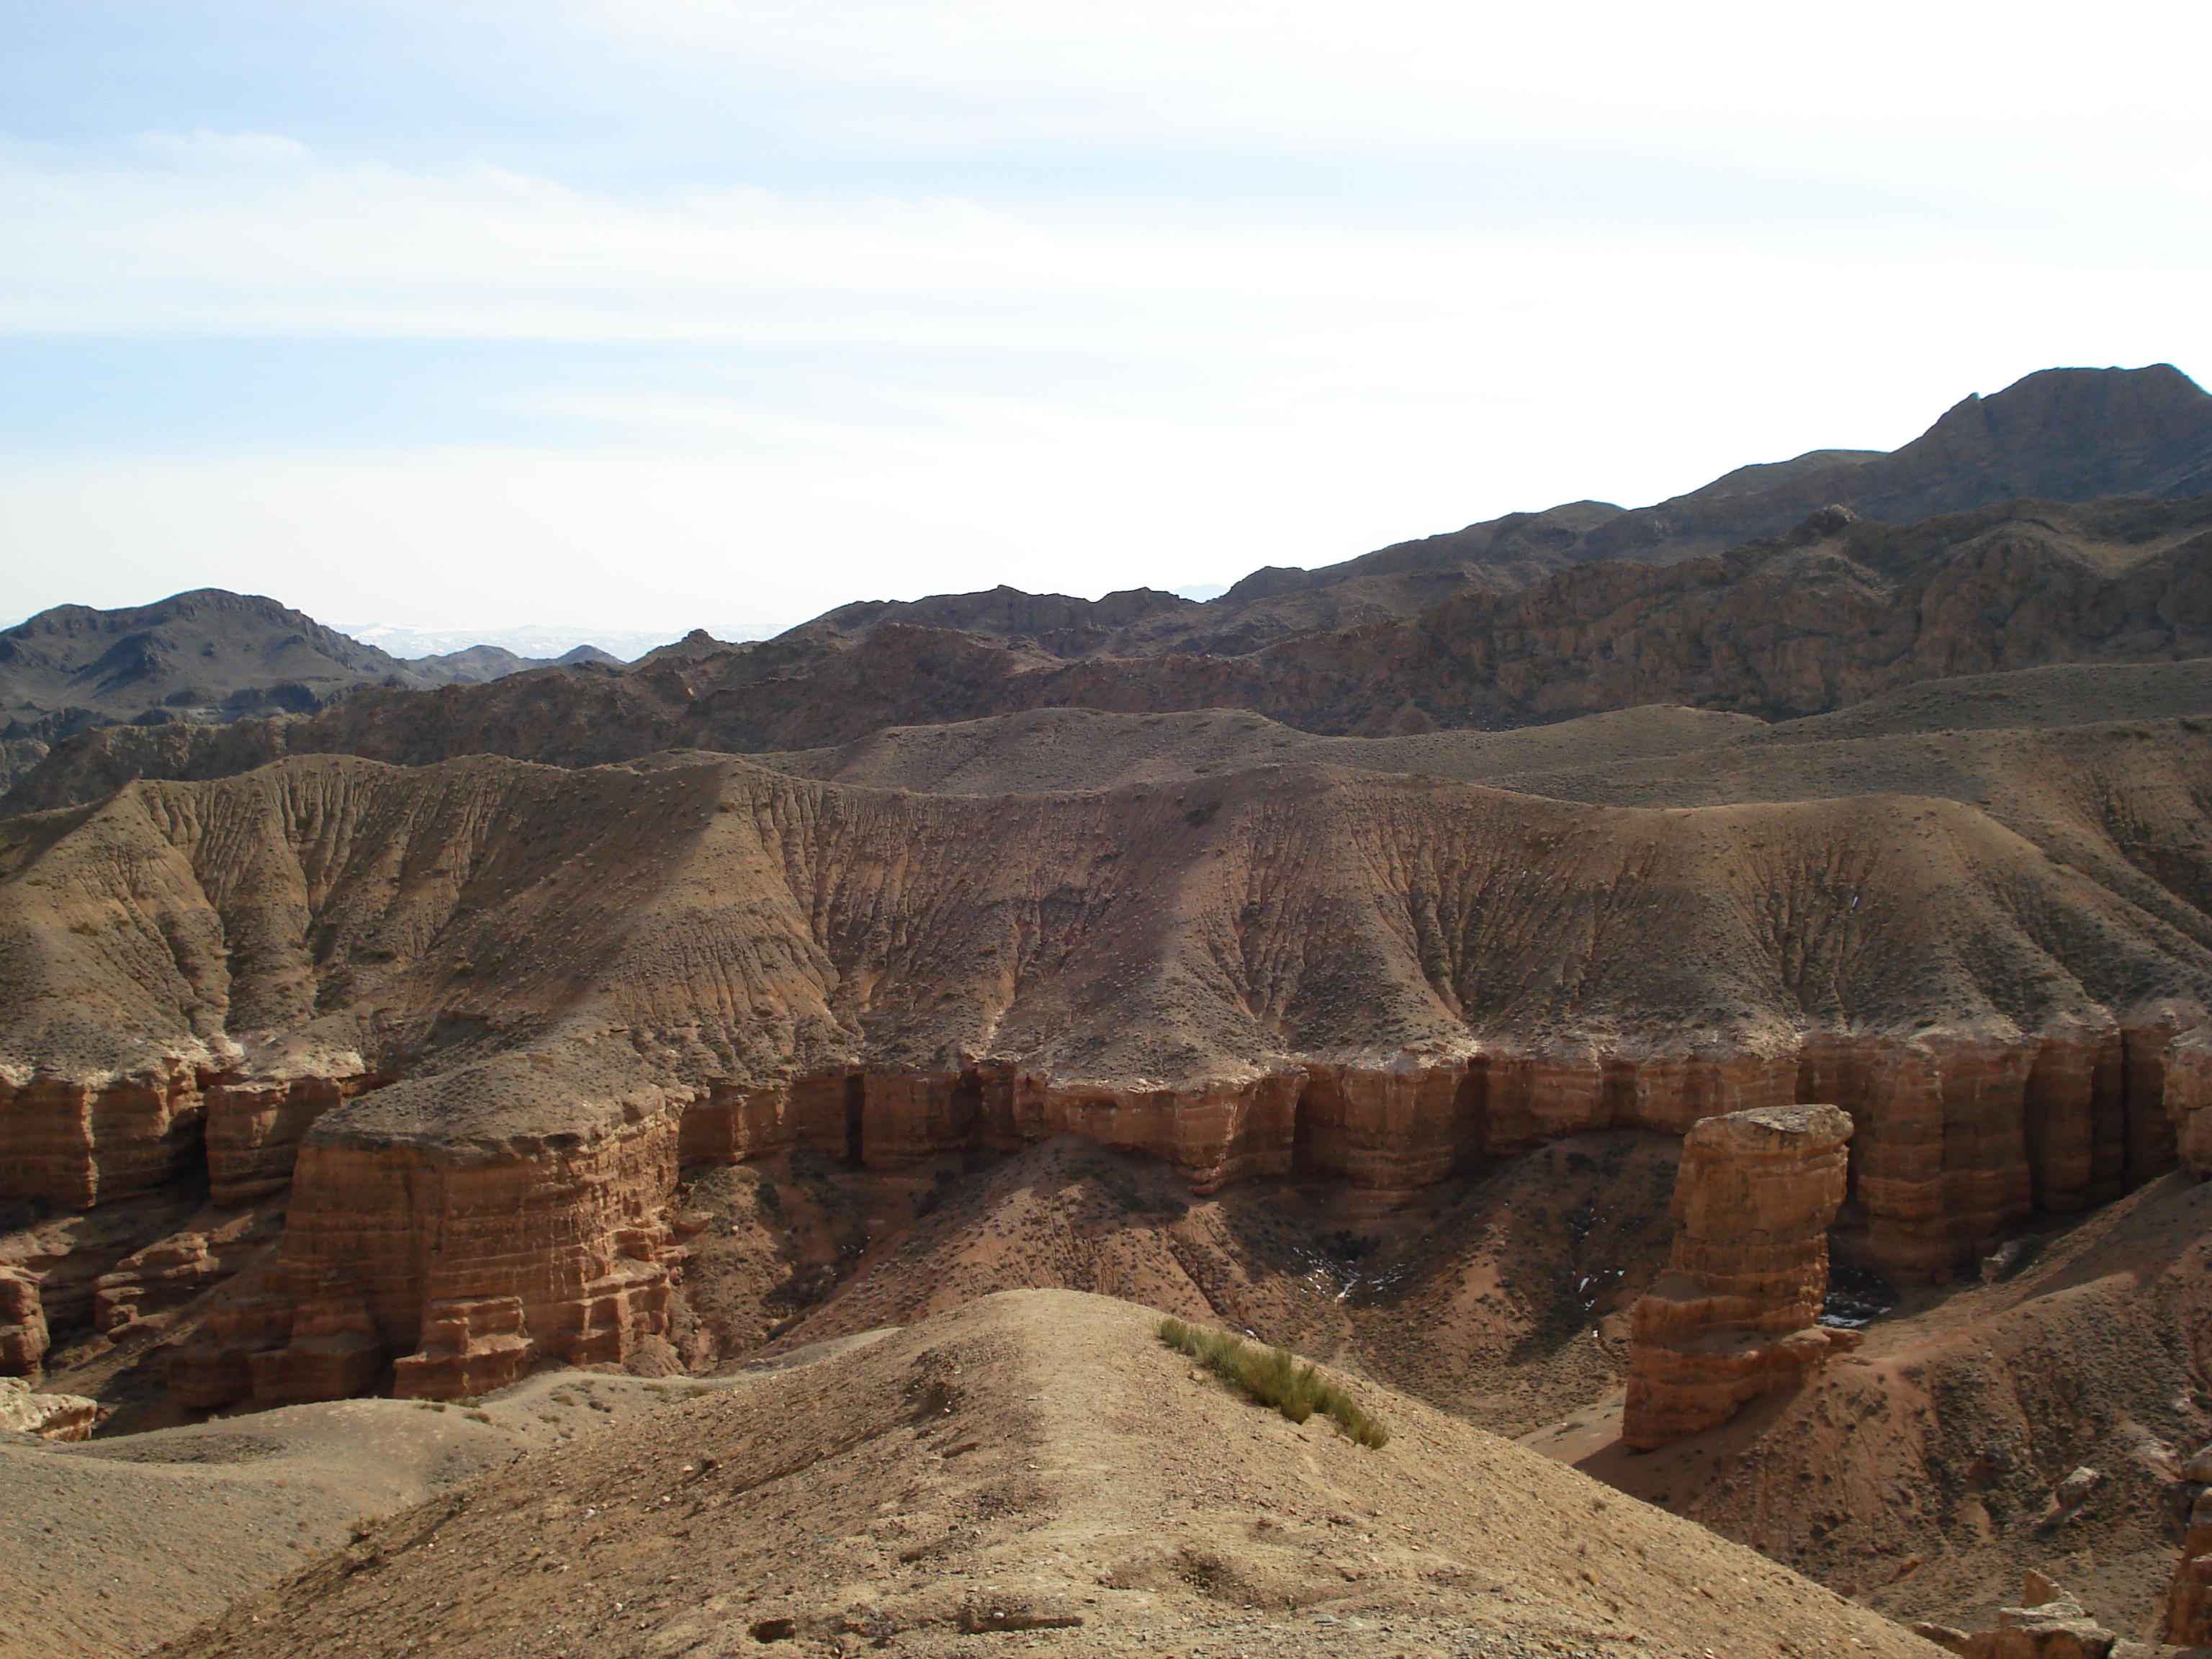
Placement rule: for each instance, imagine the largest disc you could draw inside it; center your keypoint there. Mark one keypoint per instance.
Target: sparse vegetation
(1275, 1376)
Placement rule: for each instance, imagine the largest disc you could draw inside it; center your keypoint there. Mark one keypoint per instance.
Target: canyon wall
(1294, 972)
(462, 1269)
(23, 1337)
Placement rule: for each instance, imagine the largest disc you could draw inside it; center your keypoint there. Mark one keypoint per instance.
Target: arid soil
(111, 1547)
(1036, 1463)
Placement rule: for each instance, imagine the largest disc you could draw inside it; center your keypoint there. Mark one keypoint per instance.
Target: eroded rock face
(2189, 1596)
(479, 1263)
(1378, 979)
(2048, 1624)
(1737, 1313)
(78, 1143)
(23, 1340)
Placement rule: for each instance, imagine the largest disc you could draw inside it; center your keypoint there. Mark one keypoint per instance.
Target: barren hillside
(1037, 1462)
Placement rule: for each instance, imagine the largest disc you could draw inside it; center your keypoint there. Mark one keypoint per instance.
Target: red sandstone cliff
(1376, 978)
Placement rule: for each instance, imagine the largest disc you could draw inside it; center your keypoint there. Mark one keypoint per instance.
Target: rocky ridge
(2063, 519)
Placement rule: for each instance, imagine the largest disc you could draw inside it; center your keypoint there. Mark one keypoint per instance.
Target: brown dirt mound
(1037, 1461)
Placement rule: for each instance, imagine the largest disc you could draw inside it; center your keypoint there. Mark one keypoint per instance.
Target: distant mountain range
(2066, 519)
(535, 644)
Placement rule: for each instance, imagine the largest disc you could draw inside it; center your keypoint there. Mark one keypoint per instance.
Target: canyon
(1359, 961)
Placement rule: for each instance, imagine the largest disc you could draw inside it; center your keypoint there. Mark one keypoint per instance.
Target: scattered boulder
(1737, 1313)
(2068, 1497)
(2049, 1624)
(49, 1416)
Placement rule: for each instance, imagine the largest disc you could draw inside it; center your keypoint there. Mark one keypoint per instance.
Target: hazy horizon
(659, 311)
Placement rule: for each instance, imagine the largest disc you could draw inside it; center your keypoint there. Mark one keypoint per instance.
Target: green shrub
(1275, 1376)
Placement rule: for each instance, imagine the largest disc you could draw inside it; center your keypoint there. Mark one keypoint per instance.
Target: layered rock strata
(23, 1339)
(1736, 1314)
(1294, 971)
(78, 1142)
(2189, 1595)
(462, 1264)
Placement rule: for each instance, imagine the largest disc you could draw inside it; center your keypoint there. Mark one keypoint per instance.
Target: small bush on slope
(1275, 1376)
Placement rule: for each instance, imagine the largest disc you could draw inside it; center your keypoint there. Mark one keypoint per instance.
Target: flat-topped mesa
(464, 1259)
(1736, 1314)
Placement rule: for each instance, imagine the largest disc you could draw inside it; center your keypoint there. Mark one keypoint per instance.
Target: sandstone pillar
(23, 1323)
(2189, 1595)
(1737, 1312)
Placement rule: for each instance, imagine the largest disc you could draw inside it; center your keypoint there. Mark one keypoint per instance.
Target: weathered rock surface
(2189, 1598)
(1367, 977)
(49, 1416)
(481, 1260)
(1786, 589)
(1838, 612)
(1954, 1436)
(2049, 1624)
(23, 1337)
(1737, 1314)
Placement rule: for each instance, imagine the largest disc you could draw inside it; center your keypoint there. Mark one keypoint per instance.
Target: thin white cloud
(1082, 393)
(2014, 89)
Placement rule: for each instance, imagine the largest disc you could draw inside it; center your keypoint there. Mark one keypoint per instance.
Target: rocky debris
(23, 1337)
(49, 1416)
(1737, 1313)
(2049, 1624)
(2069, 1495)
(2188, 1618)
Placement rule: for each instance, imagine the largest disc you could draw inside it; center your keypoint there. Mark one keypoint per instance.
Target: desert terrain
(686, 1156)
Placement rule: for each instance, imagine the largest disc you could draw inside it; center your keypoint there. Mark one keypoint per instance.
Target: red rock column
(2189, 1596)
(23, 1323)
(1737, 1312)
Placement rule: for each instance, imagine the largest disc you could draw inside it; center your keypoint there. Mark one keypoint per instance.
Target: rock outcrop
(23, 1337)
(2189, 1596)
(461, 1262)
(1736, 1314)
(78, 1141)
(49, 1416)
(1379, 979)
(2049, 1624)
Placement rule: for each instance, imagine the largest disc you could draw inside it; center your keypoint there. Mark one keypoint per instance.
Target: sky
(638, 315)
